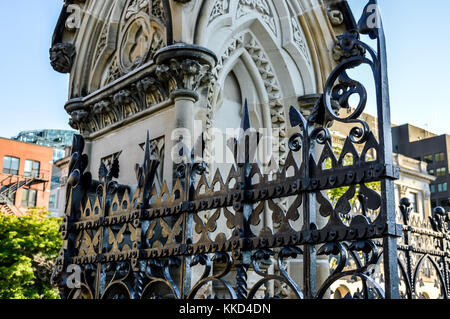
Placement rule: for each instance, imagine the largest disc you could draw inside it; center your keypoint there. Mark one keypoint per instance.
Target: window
(431, 172)
(413, 200)
(32, 168)
(433, 188)
(11, 165)
(441, 171)
(442, 187)
(29, 197)
(428, 159)
(439, 157)
(52, 201)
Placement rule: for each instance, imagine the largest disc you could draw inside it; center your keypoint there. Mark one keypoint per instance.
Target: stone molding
(250, 44)
(180, 70)
(185, 68)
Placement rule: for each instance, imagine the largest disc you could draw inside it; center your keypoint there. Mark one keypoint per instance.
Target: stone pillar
(185, 68)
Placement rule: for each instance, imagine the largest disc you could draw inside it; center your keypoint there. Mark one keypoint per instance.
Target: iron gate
(207, 234)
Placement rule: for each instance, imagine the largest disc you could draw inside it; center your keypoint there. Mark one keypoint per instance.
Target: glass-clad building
(58, 139)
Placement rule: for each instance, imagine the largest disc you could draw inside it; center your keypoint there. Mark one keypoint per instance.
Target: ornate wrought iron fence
(424, 263)
(207, 235)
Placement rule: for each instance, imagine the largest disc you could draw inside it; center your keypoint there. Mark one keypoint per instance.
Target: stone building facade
(161, 65)
(179, 69)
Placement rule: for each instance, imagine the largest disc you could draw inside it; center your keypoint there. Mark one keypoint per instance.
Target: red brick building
(25, 175)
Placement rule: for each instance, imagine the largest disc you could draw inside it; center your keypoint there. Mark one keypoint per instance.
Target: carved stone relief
(62, 56)
(181, 75)
(336, 17)
(139, 38)
(262, 7)
(141, 32)
(112, 72)
(221, 7)
(184, 75)
(346, 47)
(251, 45)
(299, 39)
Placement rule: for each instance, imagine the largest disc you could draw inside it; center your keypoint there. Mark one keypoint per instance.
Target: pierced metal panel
(208, 236)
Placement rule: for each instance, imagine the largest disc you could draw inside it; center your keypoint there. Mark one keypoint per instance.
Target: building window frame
(33, 170)
(52, 201)
(29, 197)
(441, 171)
(439, 157)
(414, 200)
(443, 187)
(8, 167)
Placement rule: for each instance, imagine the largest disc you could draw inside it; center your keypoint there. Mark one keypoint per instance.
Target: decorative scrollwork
(134, 239)
(342, 251)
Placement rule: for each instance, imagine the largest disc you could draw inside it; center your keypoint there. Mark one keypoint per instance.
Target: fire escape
(9, 187)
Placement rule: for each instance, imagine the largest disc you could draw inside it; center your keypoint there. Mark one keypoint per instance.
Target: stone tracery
(247, 42)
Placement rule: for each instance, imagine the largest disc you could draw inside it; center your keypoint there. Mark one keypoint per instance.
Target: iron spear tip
(148, 151)
(295, 117)
(245, 124)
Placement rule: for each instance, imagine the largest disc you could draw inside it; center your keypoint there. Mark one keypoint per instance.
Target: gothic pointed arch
(244, 50)
(282, 38)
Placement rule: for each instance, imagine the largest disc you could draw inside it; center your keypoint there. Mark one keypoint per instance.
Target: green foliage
(336, 193)
(28, 246)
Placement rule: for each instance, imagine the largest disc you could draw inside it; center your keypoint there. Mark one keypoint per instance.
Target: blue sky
(33, 95)
(418, 49)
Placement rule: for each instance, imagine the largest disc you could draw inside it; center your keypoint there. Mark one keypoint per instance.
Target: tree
(335, 194)
(28, 246)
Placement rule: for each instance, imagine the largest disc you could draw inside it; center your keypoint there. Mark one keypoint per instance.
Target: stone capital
(185, 68)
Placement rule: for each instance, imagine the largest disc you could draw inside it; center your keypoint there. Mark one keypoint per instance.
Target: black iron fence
(424, 263)
(249, 234)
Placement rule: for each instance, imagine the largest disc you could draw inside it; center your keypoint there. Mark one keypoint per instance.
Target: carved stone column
(185, 68)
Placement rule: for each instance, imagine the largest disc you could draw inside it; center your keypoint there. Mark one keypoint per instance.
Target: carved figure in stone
(347, 47)
(62, 56)
(336, 17)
